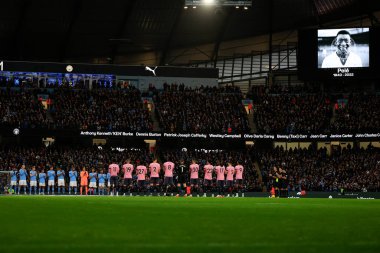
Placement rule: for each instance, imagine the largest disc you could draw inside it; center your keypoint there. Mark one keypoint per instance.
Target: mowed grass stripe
(158, 224)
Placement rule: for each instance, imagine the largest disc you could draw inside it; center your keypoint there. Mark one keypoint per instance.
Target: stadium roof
(85, 29)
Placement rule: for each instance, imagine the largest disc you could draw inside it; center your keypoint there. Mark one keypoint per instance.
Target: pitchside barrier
(335, 195)
(347, 195)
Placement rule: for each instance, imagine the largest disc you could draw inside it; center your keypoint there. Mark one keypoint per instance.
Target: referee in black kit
(182, 176)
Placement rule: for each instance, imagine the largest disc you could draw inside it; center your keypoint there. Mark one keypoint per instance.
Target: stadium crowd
(276, 110)
(100, 109)
(258, 91)
(21, 108)
(300, 117)
(349, 168)
(201, 110)
(294, 109)
(360, 115)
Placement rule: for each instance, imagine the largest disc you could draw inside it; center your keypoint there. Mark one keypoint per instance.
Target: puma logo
(151, 70)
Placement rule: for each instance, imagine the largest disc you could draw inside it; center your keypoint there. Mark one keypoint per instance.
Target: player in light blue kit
(108, 182)
(61, 180)
(42, 181)
(73, 175)
(102, 179)
(14, 180)
(33, 180)
(51, 180)
(22, 182)
(93, 176)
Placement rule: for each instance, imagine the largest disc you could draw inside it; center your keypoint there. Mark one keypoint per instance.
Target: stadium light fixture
(219, 3)
(237, 7)
(245, 8)
(209, 2)
(194, 7)
(186, 7)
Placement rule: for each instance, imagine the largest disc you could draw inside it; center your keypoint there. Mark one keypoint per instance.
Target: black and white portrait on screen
(343, 48)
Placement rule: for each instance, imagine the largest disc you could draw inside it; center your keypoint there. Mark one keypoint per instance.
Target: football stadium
(190, 126)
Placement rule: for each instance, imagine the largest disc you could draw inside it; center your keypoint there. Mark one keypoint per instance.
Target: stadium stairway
(251, 123)
(49, 116)
(259, 175)
(156, 124)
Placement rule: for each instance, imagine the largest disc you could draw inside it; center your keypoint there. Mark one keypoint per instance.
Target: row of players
(227, 177)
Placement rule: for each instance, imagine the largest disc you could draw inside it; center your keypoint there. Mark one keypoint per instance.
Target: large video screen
(346, 53)
(343, 48)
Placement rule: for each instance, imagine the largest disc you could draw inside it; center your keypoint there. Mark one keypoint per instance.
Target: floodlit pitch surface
(158, 224)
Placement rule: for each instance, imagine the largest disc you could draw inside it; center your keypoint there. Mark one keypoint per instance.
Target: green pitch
(157, 224)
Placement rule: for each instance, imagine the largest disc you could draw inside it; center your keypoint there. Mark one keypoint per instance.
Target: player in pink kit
(239, 169)
(114, 169)
(154, 169)
(194, 170)
(141, 171)
(207, 181)
(220, 170)
(127, 169)
(168, 177)
(230, 171)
